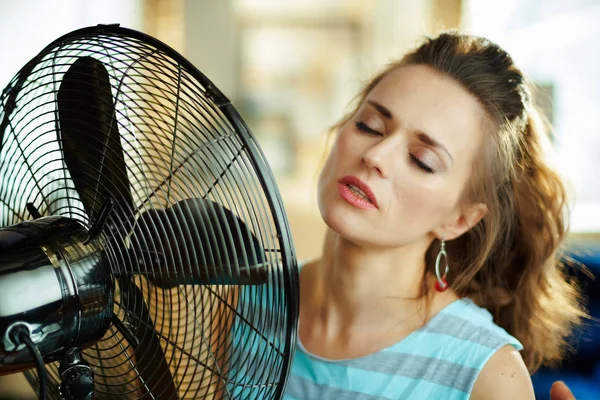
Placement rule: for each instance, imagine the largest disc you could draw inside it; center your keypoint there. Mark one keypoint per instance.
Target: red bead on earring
(441, 285)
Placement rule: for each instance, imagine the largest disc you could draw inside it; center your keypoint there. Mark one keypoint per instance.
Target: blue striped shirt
(439, 361)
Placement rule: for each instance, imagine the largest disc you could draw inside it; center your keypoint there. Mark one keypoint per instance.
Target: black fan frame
(263, 171)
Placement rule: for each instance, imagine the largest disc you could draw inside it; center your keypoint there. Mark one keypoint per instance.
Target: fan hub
(55, 282)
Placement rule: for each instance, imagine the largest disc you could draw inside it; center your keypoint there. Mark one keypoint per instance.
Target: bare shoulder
(504, 376)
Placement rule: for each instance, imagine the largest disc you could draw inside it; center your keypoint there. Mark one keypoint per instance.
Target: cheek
(327, 171)
(342, 149)
(339, 157)
(425, 204)
(327, 176)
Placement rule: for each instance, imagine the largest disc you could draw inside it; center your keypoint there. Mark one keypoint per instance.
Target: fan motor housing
(55, 282)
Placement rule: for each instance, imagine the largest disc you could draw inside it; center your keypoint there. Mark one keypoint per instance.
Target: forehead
(421, 98)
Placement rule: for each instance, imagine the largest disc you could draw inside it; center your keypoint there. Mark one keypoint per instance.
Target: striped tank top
(441, 360)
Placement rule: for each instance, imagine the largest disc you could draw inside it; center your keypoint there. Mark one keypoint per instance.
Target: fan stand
(76, 377)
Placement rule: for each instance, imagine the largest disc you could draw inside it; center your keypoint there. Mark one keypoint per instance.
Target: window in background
(28, 26)
(557, 44)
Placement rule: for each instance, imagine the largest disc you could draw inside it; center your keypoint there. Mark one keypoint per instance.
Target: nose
(380, 156)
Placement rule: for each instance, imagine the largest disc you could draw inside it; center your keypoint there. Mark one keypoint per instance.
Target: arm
(505, 376)
(221, 336)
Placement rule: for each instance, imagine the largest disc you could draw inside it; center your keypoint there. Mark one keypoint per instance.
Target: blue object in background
(580, 371)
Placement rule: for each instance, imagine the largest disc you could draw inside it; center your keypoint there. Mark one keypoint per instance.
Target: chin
(342, 218)
(346, 224)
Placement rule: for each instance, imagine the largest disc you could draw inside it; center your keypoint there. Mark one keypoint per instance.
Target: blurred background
(292, 67)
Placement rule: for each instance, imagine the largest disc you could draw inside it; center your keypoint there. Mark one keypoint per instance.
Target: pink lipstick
(357, 193)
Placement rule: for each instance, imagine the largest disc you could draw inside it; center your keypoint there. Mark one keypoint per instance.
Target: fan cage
(181, 139)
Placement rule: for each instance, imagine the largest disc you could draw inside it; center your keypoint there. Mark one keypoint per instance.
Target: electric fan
(144, 249)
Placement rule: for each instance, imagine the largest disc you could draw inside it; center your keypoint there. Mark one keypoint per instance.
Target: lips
(354, 181)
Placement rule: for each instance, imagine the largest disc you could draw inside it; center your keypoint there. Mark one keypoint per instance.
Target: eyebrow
(423, 137)
(381, 109)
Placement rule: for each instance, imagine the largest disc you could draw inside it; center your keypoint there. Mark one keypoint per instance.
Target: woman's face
(398, 167)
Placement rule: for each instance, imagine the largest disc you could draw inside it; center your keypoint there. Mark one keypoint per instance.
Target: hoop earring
(441, 284)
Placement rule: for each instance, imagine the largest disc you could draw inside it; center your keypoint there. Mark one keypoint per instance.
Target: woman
(439, 276)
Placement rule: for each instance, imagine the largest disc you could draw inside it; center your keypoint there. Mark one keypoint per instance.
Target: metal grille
(180, 139)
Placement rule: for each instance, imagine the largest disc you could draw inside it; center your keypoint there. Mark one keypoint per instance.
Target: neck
(363, 289)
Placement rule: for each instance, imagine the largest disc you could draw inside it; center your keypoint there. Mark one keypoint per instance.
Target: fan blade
(198, 241)
(149, 356)
(89, 137)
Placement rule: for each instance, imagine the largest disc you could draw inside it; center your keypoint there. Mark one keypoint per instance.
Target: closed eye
(420, 164)
(366, 128)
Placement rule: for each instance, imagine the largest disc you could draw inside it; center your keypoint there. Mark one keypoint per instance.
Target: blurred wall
(210, 41)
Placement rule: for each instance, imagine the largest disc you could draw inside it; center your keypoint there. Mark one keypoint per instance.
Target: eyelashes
(421, 165)
(361, 126)
(365, 128)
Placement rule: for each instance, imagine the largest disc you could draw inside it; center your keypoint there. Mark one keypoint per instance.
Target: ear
(466, 218)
